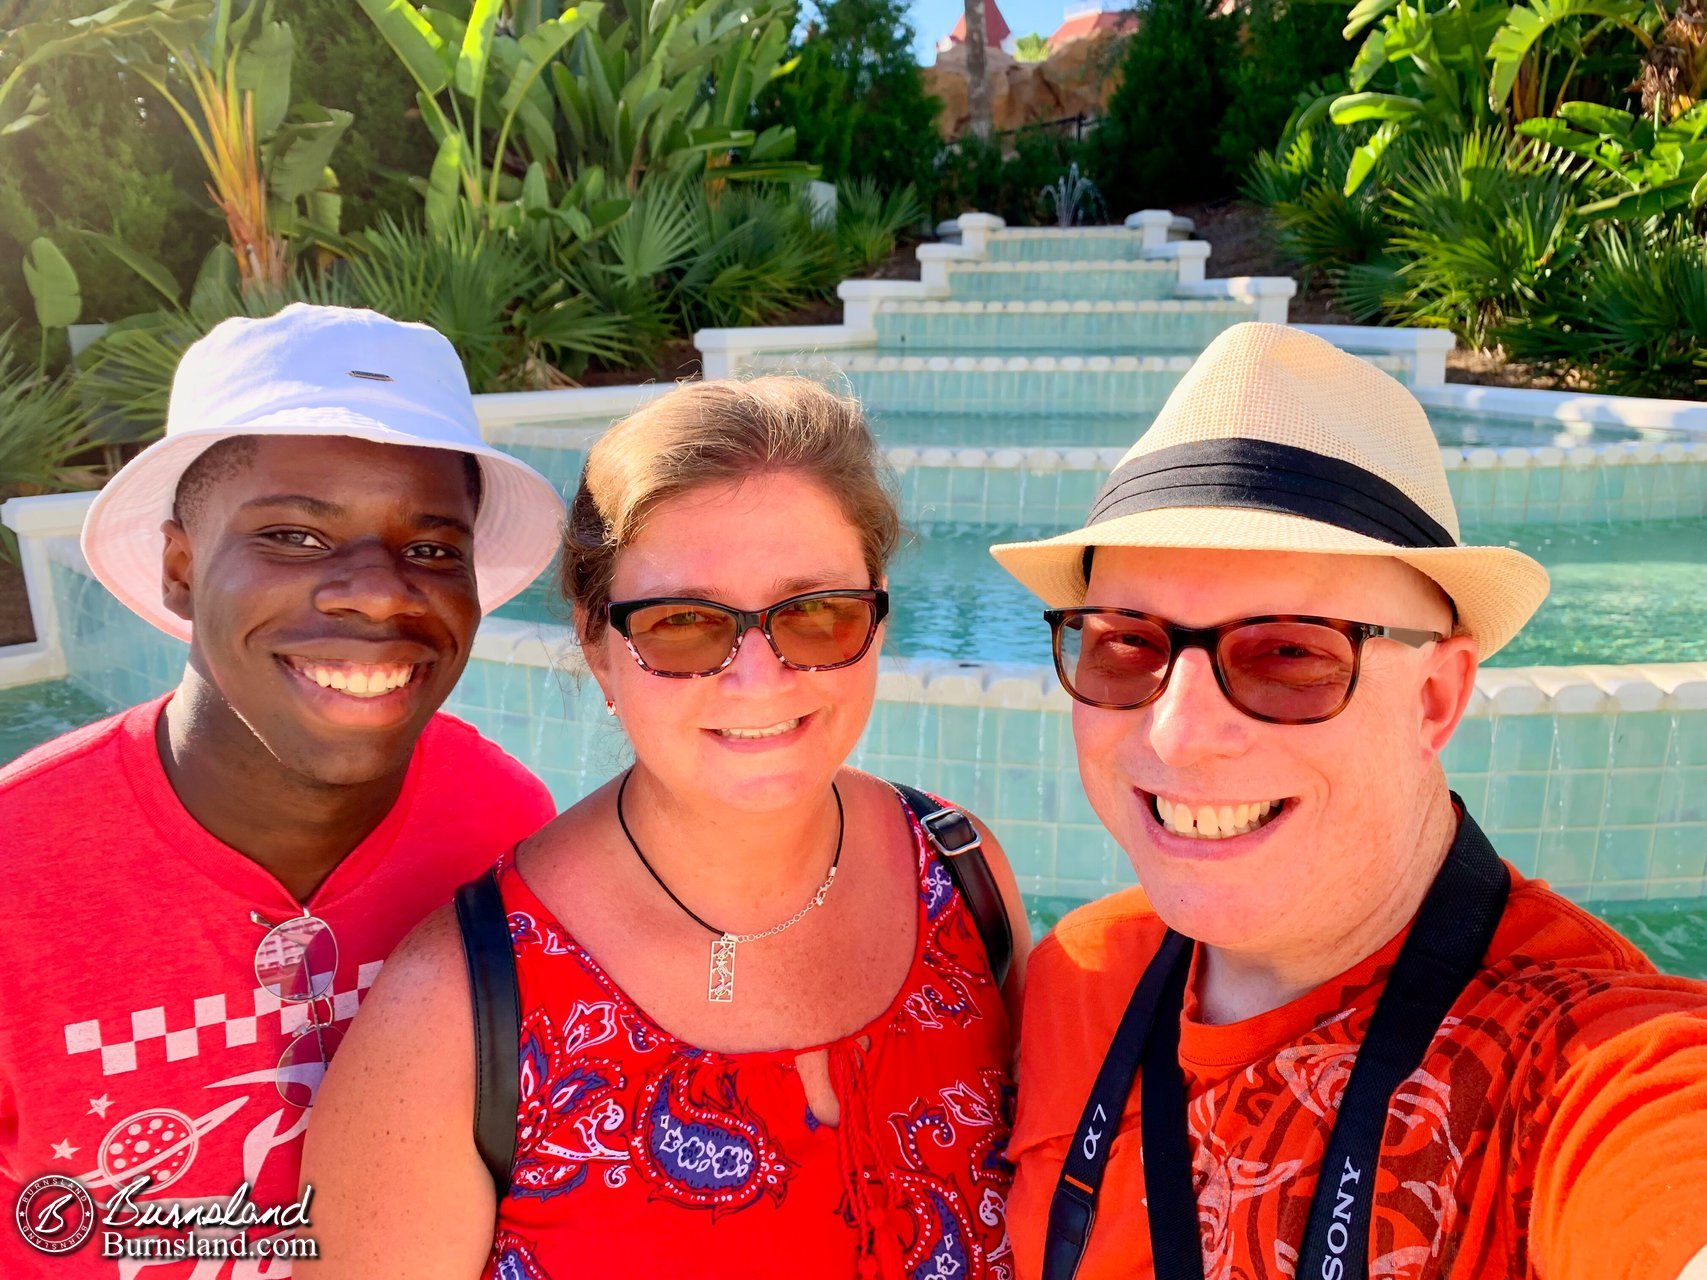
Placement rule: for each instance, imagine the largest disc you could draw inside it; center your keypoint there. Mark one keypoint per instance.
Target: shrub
(110, 158)
(1302, 183)
(1631, 318)
(857, 100)
(44, 428)
(870, 224)
(1156, 146)
(342, 62)
(1479, 230)
(1284, 47)
(1006, 181)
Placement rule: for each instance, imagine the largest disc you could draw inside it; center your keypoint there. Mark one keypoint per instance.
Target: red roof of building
(1080, 25)
(995, 27)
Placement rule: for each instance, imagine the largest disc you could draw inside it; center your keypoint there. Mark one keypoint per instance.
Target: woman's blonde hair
(706, 433)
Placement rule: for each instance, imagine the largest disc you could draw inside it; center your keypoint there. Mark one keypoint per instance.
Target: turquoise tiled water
(1673, 934)
(1454, 427)
(33, 713)
(1621, 594)
(956, 429)
(1039, 394)
(1114, 243)
(1114, 282)
(1186, 331)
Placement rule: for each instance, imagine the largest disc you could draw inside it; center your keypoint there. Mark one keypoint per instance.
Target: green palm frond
(1632, 320)
(43, 429)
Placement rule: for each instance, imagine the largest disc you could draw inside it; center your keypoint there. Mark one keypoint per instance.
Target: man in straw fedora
(200, 889)
(1333, 1035)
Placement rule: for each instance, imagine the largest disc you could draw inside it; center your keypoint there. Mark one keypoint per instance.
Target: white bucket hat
(1279, 441)
(318, 371)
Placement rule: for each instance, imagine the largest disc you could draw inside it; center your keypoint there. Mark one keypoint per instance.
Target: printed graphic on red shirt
(139, 1054)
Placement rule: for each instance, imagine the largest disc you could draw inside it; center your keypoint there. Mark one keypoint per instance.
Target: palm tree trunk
(977, 70)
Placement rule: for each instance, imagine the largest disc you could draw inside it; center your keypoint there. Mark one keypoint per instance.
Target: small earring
(610, 706)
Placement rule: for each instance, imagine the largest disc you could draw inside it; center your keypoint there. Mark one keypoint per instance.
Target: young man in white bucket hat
(200, 889)
(1333, 1035)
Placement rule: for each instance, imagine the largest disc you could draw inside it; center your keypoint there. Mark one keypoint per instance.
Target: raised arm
(1621, 1178)
(399, 1189)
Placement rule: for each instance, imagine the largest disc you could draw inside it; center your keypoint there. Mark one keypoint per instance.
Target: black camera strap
(1443, 952)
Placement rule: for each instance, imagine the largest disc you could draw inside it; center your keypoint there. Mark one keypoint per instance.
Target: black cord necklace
(721, 987)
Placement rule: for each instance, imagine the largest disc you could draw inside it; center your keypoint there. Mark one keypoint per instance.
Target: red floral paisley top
(639, 1155)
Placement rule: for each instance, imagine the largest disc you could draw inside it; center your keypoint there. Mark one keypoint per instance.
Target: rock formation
(1076, 79)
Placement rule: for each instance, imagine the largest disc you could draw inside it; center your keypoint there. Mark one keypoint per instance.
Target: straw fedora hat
(1279, 441)
(312, 371)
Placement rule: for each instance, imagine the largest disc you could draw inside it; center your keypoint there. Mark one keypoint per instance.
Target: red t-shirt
(1556, 1129)
(133, 1034)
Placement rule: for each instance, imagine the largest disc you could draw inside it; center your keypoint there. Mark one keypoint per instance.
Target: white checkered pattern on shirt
(213, 1027)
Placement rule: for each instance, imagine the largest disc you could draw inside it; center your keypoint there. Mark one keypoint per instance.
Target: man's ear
(1449, 680)
(176, 562)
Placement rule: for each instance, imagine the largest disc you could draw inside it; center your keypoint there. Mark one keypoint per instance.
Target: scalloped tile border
(1059, 307)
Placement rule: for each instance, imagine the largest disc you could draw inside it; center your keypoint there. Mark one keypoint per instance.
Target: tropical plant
(55, 290)
(342, 61)
(513, 324)
(132, 168)
(1674, 68)
(1031, 48)
(1640, 168)
(759, 252)
(1632, 319)
(869, 223)
(670, 90)
(558, 118)
(491, 83)
(1468, 65)
(1302, 183)
(267, 175)
(856, 97)
(1479, 230)
(26, 49)
(42, 430)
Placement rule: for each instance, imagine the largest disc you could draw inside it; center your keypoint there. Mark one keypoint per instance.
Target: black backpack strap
(957, 841)
(496, 998)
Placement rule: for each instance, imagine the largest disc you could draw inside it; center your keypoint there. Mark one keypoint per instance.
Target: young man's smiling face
(331, 586)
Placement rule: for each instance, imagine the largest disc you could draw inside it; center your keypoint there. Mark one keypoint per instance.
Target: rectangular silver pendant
(722, 970)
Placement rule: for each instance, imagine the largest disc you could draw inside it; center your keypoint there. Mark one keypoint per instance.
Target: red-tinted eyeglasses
(683, 637)
(1278, 668)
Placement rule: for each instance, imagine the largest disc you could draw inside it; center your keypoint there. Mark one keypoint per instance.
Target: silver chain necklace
(721, 984)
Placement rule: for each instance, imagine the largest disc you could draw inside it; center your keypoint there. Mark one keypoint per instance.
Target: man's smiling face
(331, 586)
(1267, 837)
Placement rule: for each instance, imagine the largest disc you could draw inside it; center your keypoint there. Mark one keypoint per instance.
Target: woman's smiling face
(758, 735)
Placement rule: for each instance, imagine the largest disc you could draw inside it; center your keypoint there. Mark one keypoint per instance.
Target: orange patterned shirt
(1557, 1127)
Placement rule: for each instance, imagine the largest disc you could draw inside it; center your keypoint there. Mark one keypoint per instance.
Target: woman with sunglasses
(759, 1032)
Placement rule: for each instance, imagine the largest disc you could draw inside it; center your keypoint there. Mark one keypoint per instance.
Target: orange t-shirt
(1557, 1127)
